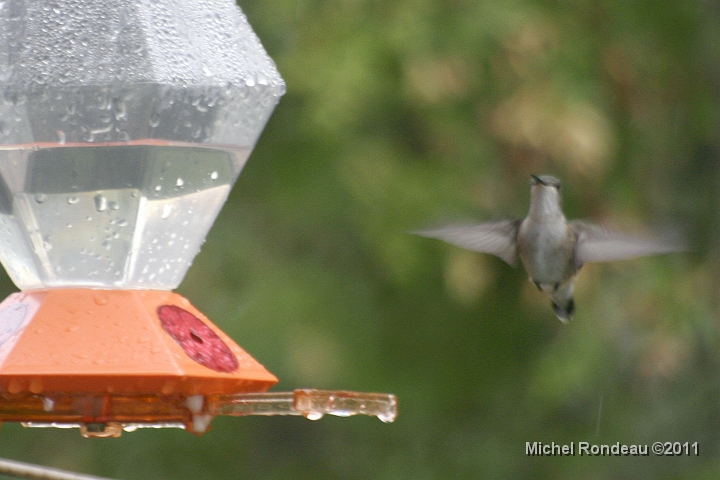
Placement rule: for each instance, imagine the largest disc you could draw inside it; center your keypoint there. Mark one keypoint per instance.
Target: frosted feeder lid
(123, 126)
(97, 71)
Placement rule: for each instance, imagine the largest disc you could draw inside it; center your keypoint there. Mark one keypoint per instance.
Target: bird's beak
(537, 180)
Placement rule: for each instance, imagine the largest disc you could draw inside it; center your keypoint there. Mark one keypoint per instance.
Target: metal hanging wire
(28, 470)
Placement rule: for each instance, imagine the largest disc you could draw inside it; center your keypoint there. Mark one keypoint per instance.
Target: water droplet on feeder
(100, 298)
(35, 385)
(387, 417)
(101, 203)
(167, 209)
(200, 423)
(195, 403)
(15, 386)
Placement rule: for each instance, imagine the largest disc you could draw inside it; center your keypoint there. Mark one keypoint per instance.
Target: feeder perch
(123, 126)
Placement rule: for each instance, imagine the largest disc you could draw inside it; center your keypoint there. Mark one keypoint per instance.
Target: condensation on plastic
(92, 71)
(103, 106)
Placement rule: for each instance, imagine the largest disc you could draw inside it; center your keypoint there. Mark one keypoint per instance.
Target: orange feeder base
(109, 361)
(99, 342)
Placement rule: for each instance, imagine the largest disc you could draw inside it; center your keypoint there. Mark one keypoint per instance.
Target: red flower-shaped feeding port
(198, 340)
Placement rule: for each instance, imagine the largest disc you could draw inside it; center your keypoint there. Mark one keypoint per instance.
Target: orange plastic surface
(109, 341)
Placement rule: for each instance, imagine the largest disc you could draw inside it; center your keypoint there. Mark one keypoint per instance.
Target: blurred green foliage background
(401, 114)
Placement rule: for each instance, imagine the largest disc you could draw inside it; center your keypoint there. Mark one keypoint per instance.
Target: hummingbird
(551, 248)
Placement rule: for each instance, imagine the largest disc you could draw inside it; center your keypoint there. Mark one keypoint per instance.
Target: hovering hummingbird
(551, 248)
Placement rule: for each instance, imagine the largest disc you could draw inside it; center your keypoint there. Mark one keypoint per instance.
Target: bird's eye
(557, 187)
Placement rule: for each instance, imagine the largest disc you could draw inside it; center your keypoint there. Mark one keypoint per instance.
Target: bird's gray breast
(546, 249)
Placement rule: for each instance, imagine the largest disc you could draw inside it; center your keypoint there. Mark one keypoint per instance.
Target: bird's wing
(496, 238)
(597, 244)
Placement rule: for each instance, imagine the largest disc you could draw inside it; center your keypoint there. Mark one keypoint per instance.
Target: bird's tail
(563, 303)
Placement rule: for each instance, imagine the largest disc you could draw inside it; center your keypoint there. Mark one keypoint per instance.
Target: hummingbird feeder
(123, 126)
